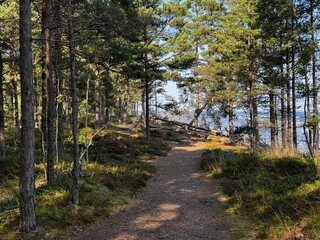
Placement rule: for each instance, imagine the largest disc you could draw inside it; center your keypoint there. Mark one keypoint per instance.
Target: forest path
(178, 203)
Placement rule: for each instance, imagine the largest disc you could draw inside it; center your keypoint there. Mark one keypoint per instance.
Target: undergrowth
(278, 192)
(120, 163)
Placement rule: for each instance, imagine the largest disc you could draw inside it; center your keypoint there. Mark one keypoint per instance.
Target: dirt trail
(179, 203)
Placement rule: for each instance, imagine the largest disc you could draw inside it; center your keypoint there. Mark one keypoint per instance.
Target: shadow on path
(178, 203)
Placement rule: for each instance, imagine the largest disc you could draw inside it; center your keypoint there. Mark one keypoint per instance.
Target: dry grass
(276, 189)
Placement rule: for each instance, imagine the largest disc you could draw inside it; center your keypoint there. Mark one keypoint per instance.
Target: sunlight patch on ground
(151, 221)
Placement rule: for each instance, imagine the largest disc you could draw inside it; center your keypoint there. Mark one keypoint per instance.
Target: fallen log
(188, 127)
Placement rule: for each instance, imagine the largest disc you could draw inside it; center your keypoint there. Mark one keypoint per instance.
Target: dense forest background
(68, 64)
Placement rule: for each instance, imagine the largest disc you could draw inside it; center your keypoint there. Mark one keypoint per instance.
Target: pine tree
(27, 177)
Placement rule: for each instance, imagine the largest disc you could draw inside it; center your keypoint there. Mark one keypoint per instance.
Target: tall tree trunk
(13, 81)
(147, 102)
(27, 173)
(47, 22)
(272, 119)
(76, 153)
(2, 133)
(59, 77)
(253, 102)
(125, 105)
(293, 79)
(294, 105)
(283, 109)
(197, 100)
(43, 126)
(97, 107)
(143, 105)
(315, 143)
(156, 98)
(289, 128)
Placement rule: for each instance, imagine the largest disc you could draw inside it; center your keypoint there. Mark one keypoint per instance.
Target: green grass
(120, 163)
(279, 194)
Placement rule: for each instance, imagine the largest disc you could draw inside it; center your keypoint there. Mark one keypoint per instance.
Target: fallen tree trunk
(187, 127)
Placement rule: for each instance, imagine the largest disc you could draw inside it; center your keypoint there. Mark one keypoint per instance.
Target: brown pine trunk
(59, 77)
(2, 133)
(76, 153)
(27, 173)
(47, 21)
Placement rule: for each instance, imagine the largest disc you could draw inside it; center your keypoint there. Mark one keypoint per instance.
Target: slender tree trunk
(97, 107)
(44, 102)
(156, 98)
(293, 79)
(76, 160)
(283, 110)
(120, 118)
(2, 133)
(309, 134)
(13, 81)
(27, 173)
(59, 77)
(289, 127)
(231, 123)
(307, 116)
(272, 119)
(315, 143)
(197, 100)
(143, 105)
(43, 126)
(47, 21)
(125, 105)
(253, 103)
(147, 92)
(294, 105)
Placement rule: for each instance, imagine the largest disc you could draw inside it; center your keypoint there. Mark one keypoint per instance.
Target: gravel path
(179, 203)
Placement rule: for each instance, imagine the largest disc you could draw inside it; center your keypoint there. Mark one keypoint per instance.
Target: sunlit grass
(119, 164)
(276, 189)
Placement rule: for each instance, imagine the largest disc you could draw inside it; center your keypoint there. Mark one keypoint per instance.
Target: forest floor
(179, 202)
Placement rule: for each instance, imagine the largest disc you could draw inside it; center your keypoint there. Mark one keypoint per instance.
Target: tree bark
(315, 144)
(47, 21)
(2, 125)
(27, 173)
(283, 110)
(57, 48)
(76, 152)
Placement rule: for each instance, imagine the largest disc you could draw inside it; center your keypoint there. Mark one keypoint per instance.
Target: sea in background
(241, 119)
